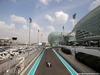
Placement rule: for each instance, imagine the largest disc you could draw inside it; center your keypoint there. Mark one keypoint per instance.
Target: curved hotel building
(86, 30)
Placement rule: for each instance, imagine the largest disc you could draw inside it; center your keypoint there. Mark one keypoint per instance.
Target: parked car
(15, 52)
(4, 55)
(1, 58)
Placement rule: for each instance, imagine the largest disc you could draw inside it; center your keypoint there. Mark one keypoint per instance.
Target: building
(88, 28)
(57, 37)
(85, 32)
(5, 42)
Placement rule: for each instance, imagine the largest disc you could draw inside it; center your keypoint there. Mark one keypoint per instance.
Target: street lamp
(63, 30)
(29, 32)
(38, 37)
(63, 34)
(41, 38)
(74, 17)
(8, 70)
(14, 38)
(29, 29)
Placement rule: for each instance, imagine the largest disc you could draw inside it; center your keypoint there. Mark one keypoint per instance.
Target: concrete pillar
(98, 43)
(89, 44)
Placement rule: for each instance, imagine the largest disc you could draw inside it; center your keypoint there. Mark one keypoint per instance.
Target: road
(57, 67)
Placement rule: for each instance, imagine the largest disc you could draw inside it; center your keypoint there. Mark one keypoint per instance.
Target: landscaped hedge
(89, 60)
(67, 51)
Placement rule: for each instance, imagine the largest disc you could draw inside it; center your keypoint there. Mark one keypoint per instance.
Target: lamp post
(63, 34)
(14, 38)
(61, 38)
(38, 37)
(29, 32)
(29, 29)
(41, 38)
(74, 17)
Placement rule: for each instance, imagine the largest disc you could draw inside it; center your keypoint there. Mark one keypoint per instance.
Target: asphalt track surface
(57, 67)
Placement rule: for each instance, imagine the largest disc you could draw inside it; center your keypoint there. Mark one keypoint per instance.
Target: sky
(47, 16)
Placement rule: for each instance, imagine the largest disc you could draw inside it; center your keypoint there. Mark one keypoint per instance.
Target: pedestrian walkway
(80, 68)
(83, 49)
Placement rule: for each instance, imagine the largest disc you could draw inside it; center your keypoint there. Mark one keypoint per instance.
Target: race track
(57, 66)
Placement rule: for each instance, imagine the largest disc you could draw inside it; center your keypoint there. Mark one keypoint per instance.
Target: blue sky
(47, 16)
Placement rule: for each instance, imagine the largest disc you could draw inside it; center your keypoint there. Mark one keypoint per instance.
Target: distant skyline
(47, 16)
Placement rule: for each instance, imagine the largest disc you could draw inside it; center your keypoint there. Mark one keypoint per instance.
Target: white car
(4, 55)
(15, 53)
